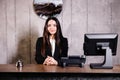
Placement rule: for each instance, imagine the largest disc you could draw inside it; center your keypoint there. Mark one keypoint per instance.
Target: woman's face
(52, 28)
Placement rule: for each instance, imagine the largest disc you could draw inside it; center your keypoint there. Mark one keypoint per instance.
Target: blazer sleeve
(64, 48)
(64, 52)
(38, 57)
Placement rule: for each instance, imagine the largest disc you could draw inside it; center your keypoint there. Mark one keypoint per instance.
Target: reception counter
(37, 71)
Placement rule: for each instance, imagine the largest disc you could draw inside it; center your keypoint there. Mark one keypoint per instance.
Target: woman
(52, 46)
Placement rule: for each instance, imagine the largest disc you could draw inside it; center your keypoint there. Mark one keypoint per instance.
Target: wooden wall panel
(11, 30)
(3, 42)
(22, 31)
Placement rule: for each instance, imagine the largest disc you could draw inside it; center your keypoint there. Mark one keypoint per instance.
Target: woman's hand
(50, 61)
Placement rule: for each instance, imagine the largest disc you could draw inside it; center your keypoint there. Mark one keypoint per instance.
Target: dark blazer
(64, 52)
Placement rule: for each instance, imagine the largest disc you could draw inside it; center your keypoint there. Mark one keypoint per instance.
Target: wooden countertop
(39, 68)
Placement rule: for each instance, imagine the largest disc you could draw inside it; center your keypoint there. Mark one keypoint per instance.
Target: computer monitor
(101, 44)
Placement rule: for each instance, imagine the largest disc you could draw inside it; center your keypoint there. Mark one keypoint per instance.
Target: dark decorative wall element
(45, 8)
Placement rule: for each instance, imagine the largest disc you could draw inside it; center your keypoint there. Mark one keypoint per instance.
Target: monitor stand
(107, 64)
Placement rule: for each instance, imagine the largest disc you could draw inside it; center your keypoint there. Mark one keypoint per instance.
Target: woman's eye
(54, 25)
(49, 25)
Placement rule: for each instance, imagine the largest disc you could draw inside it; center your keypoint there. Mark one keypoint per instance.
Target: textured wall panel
(66, 22)
(3, 39)
(115, 7)
(11, 30)
(22, 31)
(79, 25)
(20, 26)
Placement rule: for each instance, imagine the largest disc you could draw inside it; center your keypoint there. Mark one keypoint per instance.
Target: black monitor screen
(101, 44)
(92, 41)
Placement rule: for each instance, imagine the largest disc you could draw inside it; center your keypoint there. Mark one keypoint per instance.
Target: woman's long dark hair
(46, 35)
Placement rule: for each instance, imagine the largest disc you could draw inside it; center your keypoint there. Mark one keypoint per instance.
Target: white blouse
(52, 41)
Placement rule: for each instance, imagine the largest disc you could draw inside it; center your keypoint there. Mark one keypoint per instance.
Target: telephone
(73, 61)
